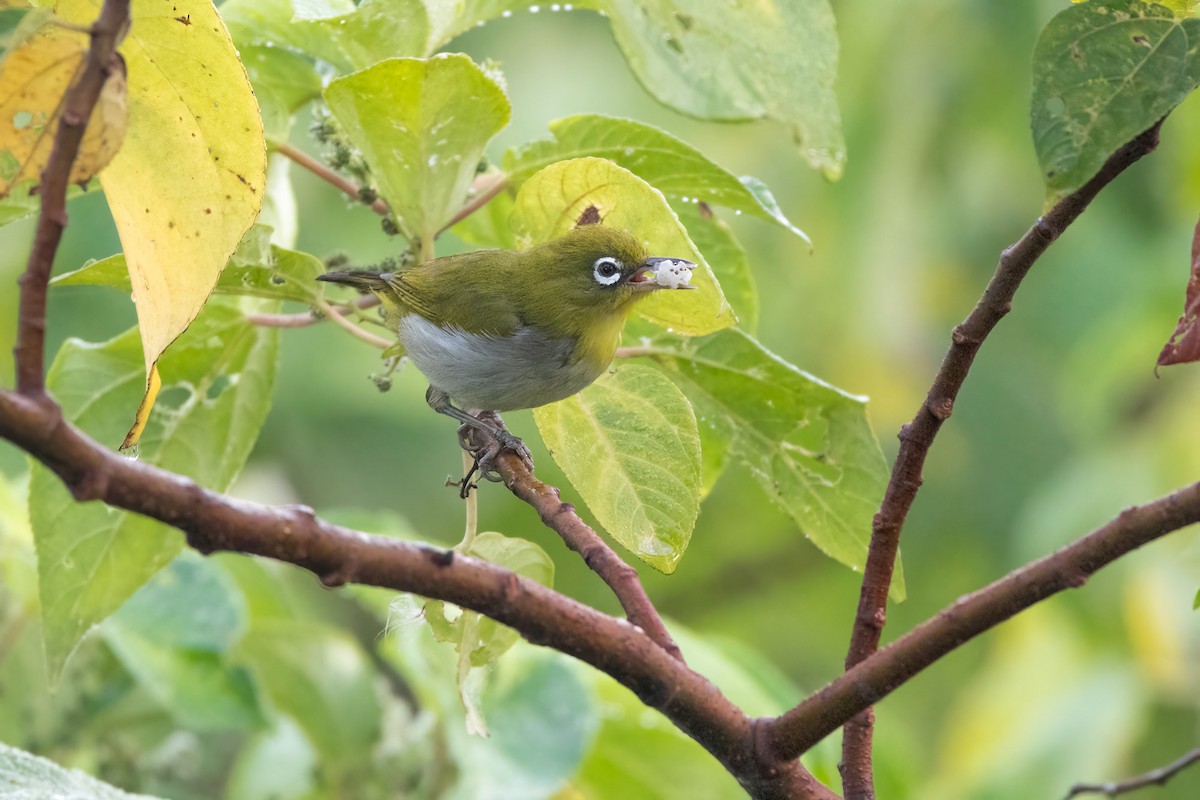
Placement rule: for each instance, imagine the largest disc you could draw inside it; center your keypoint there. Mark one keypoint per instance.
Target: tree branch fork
(761, 753)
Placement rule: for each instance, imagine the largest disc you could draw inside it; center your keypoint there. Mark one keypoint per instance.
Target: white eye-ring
(606, 270)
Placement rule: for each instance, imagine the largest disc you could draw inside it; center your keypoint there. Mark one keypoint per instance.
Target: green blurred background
(1062, 423)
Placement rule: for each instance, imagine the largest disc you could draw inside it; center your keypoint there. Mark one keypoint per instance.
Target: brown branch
(917, 437)
(303, 159)
(1155, 777)
(561, 518)
(1068, 568)
(306, 318)
(80, 99)
(213, 522)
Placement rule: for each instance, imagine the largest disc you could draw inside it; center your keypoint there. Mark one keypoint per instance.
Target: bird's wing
(450, 292)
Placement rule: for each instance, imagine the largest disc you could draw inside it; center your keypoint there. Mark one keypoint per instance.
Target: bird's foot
(485, 455)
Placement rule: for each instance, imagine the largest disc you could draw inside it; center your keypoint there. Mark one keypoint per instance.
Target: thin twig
(1155, 777)
(80, 99)
(1070, 567)
(917, 437)
(484, 189)
(303, 159)
(347, 325)
(306, 318)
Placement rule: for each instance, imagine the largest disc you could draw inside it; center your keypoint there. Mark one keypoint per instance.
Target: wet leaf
(629, 445)
(1184, 344)
(736, 61)
(551, 202)
(34, 77)
(422, 125)
(668, 164)
(1103, 72)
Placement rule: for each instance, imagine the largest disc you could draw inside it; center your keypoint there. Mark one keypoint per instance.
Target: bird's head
(599, 270)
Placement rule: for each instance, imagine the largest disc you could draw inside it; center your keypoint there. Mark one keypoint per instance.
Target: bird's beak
(662, 273)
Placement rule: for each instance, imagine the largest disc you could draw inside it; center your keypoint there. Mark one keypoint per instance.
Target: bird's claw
(486, 455)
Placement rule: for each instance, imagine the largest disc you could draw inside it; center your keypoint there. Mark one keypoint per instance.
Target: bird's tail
(364, 280)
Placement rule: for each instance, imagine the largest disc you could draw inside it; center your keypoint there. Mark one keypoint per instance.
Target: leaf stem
(347, 325)
(353, 190)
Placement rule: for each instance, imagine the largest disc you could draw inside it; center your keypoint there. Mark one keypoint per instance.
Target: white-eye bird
(498, 330)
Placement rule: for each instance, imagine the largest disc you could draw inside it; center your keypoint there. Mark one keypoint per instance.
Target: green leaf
(172, 636)
(478, 640)
(638, 753)
(217, 381)
(1103, 72)
(319, 676)
(808, 444)
(257, 269)
(24, 775)
(629, 445)
(489, 639)
(668, 164)
(551, 202)
(283, 82)
(422, 125)
(1196, 602)
(721, 249)
(196, 687)
(737, 61)
(370, 31)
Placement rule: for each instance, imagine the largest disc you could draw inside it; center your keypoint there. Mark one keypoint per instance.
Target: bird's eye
(606, 271)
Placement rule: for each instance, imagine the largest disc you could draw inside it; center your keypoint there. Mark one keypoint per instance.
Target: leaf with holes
(422, 125)
(736, 61)
(34, 77)
(1103, 72)
(661, 160)
(808, 444)
(551, 202)
(217, 385)
(629, 445)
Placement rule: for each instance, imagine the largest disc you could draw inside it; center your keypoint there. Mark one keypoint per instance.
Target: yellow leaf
(33, 81)
(190, 178)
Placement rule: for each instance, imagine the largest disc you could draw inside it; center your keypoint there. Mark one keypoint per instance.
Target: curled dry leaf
(33, 81)
(1184, 344)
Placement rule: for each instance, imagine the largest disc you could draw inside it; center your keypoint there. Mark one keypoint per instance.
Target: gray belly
(495, 373)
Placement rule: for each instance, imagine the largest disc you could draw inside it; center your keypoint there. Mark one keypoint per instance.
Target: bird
(500, 330)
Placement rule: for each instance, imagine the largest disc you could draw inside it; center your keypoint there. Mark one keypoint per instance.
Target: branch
(1155, 777)
(303, 159)
(561, 518)
(917, 437)
(213, 522)
(1068, 568)
(80, 99)
(306, 318)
